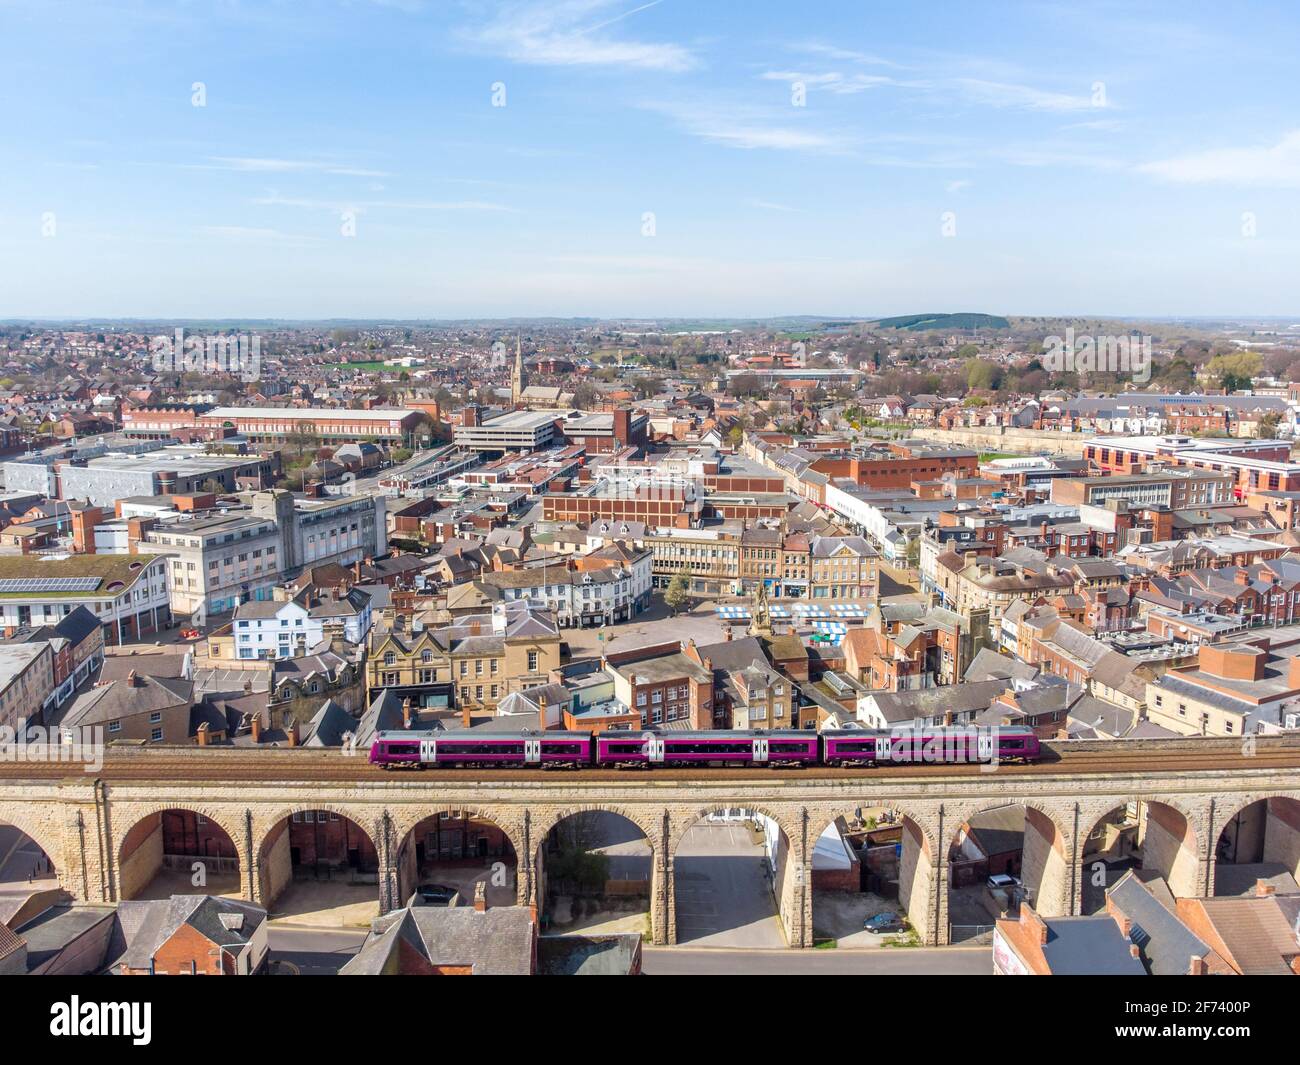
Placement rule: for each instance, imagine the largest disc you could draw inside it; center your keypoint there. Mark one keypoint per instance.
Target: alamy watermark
(1086, 354)
(241, 355)
(75, 746)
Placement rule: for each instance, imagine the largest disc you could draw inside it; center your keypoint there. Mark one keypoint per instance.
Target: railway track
(183, 764)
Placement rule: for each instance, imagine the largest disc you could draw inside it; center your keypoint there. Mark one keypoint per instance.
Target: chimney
(132, 679)
(257, 727)
(1134, 951)
(475, 628)
(1034, 925)
(541, 712)
(728, 636)
(1197, 966)
(203, 734)
(480, 897)
(466, 716)
(292, 731)
(406, 712)
(1263, 889)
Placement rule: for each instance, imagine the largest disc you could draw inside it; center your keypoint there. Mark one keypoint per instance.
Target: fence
(970, 933)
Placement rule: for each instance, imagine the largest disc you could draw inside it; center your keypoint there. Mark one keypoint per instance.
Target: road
(904, 961)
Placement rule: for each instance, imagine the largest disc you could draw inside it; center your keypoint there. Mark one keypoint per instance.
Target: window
(532, 661)
(156, 735)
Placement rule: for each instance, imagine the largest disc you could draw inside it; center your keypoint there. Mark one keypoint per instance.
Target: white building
(289, 629)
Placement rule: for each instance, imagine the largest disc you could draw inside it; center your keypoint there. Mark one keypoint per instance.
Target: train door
(760, 748)
(883, 748)
(429, 751)
(653, 747)
(984, 745)
(533, 752)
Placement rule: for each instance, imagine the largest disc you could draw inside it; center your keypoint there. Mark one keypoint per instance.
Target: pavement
(723, 891)
(911, 961)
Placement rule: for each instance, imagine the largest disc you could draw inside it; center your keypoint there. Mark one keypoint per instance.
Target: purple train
(776, 748)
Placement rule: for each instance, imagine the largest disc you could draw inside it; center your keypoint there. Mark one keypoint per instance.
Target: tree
(1268, 425)
(677, 593)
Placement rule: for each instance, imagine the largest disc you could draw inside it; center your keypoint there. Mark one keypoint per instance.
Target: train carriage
(738, 747)
(952, 745)
(423, 748)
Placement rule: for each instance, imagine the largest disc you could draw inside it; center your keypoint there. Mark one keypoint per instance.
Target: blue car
(884, 922)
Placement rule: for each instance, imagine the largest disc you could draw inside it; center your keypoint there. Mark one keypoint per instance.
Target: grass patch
(903, 939)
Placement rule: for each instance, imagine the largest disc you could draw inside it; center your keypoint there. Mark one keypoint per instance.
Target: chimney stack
(480, 897)
(257, 727)
(1263, 889)
(1134, 951)
(203, 734)
(466, 716)
(292, 731)
(132, 679)
(1197, 966)
(406, 712)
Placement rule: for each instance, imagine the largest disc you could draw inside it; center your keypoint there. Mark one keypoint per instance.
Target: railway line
(272, 765)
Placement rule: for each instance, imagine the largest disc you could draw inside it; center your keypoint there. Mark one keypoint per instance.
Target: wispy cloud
(571, 33)
(253, 164)
(738, 126)
(1269, 165)
(977, 91)
(769, 205)
(274, 199)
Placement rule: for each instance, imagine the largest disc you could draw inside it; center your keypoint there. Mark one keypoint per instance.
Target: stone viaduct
(102, 831)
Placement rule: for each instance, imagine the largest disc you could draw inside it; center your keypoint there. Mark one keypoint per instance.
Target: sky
(624, 158)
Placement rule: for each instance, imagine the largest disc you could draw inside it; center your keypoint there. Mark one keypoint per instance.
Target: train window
(1013, 744)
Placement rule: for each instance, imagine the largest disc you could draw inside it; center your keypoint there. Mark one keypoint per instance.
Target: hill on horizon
(917, 322)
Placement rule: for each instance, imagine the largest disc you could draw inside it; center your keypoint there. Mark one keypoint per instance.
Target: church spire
(517, 373)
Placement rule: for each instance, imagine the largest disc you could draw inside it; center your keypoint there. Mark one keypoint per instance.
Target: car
(437, 894)
(1002, 881)
(887, 921)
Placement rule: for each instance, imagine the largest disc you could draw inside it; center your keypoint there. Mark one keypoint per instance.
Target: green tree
(677, 594)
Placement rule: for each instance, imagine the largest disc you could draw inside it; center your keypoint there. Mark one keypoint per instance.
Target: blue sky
(1099, 158)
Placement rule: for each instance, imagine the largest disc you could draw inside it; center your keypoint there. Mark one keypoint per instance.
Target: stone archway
(873, 858)
(1157, 838)
(178, 850)
(321, 861)
(459, 847)
(595, 869)
(737, 880)
(1258, 841)
(1022, 840)
(31, 855)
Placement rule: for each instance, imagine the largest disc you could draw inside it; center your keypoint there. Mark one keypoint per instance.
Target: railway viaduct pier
(101, 827)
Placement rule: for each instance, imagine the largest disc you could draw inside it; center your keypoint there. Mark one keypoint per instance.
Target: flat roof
(308, 414)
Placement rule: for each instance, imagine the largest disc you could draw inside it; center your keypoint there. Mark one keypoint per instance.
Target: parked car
(886, 921)
(1002, 882)
(437, 894)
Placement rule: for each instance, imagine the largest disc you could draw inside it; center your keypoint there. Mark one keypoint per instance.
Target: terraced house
(475, 662)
